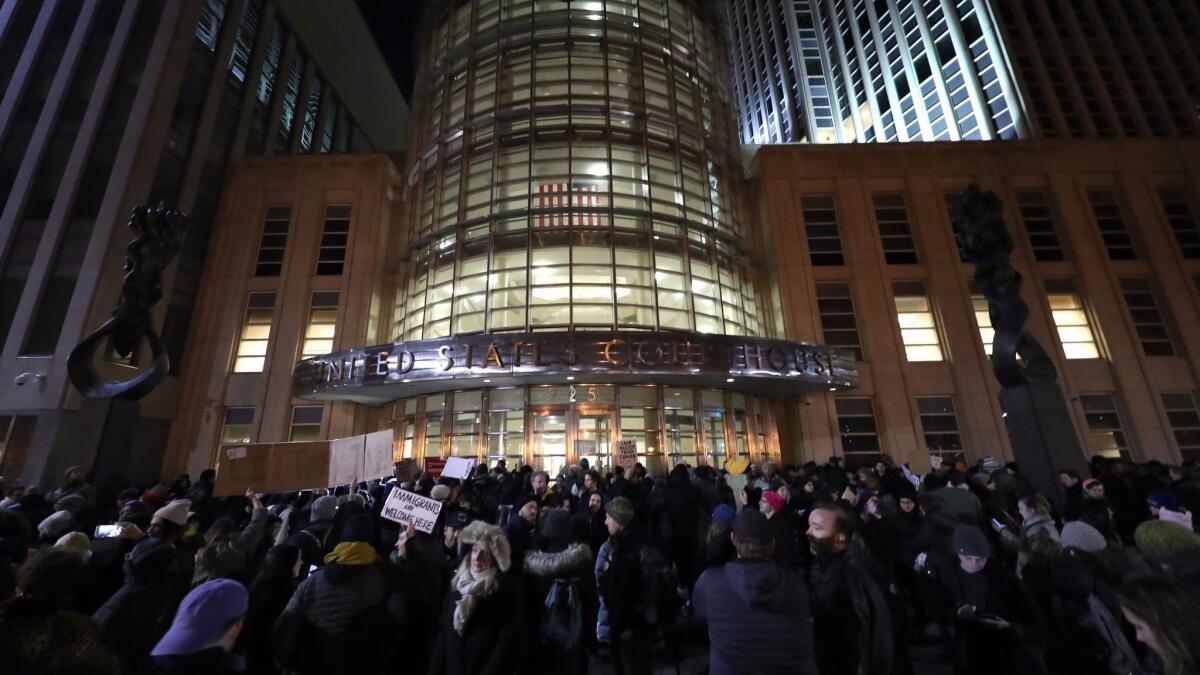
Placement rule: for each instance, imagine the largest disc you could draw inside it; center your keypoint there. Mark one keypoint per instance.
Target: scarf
(472, 587)
(352, 553)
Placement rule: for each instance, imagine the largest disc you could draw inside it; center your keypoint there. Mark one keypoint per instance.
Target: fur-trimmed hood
(543, 564)
(492, 538)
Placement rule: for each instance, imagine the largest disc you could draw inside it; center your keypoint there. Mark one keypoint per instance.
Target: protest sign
(240, 467)
(737, 484)
(627, 454)
(458, 467)
(298, 466)
(377, 455)
(346, 460)
(433, 466)
(406, 470)
(406, 507)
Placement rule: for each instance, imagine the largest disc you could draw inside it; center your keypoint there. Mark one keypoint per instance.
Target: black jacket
(211, 661)
(131, 622)
(979, 650)
(492, 639)
(620, 580)
(852, 625)
(573, 565)
(758, 619)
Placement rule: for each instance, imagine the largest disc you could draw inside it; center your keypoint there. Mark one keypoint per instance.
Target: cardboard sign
(377, 455)
(406, 470)
(346, 460)
(458, 467)
(737, 484)
(406, 507)
(298, 466)
(627, 454)
(242, 467)
(433, 466)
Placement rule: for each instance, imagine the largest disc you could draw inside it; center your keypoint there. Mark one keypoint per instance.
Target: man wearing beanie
(311, 539)
(997, 627)
(771, 504)
(852, 627)
(205, 628)
(757, 612)
(619, 580)
(1078, 535)
(135, 615)
(349, 592)
(168, 524)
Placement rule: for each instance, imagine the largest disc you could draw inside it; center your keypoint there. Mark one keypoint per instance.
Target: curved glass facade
(551, 426)
(574, 168)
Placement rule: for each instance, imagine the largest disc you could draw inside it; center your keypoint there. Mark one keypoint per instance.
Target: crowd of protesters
(810, 569)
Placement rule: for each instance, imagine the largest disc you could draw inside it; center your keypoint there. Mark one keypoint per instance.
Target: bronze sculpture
(158, 234)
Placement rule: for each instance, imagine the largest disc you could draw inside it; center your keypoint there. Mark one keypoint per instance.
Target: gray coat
(1037, 524)
(231, 558)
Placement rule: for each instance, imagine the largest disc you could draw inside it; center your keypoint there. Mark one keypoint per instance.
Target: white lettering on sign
(627, 454)
(406, 507)
(236, 453)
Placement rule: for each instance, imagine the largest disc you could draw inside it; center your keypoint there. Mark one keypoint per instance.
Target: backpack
(562, 615)
(660, 584)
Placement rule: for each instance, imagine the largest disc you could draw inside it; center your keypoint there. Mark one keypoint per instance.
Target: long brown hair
(1169, 609)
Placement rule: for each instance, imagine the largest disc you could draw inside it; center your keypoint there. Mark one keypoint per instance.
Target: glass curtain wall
(576, 170)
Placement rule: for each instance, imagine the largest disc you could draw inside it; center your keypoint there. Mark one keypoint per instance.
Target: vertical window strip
(238, 426)
(1106, 435)
(1185, 422)
(1182, 221)
(1111, 223)
(252, 345)
(821, 228)
(839, 326)
(306, 423)
(895, 233)
(273, 244)
(1071, 320)
(858, 430)
(939, 426)
(914, 313)
(322, 324)
(1148, 322)
(1034, 208)
(335, 235)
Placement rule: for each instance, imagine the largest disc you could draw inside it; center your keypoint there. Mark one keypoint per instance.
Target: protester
(1036, 521)
(205, 628)
(38, 634)
(227, 549)
(559, 598)
(619, 580)
(851, 625)
(782, 533)
(757, 611)
(136, 616)
(311, 539)
(1163, 613)
(480, 631)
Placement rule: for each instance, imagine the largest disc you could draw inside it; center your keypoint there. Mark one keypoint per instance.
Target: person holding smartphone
(995, 626)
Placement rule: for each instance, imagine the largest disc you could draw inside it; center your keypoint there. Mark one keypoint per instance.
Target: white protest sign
(406, 507)
(627, 454)
(737, 484)
(458, 467)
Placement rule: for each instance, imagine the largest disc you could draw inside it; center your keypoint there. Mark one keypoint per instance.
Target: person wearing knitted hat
(343, 600)
(619, 580)
(718, 548)
(74, 482)
(130, 620)
(998, 628)
(1167, 544)
(312, 537)
(478, 630)
(55, 525)
(1078, 535)
(559, 584)
(771, 505)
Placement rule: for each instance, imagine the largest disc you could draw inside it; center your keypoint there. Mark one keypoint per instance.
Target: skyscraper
(108, 104)
(844, 71)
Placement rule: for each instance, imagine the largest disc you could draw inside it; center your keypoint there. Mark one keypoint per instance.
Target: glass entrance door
(593, 438)
(549, 438)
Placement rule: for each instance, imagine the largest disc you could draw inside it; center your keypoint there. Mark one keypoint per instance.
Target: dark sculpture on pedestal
(1039, 424)
(158, 234)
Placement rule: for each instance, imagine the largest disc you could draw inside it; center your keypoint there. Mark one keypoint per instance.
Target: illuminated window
(273, 243)
(506, 424)
(984, 320)
(1185, 423)
(1105, 435)
(322, 324)
(466, 423)
(915, 316)
(1074, 331)
(306, 423)
(238, 426)
(335, 234)
(256, 333)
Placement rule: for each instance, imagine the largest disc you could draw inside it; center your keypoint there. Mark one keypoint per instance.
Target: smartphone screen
(107, 531)
(312, 568)
(997, 522)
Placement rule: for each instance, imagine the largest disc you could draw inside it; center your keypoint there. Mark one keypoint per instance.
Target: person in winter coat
(1036, 521)
(38, 635)
(226, 552)
(74, 483)
(619, 581)
(480, 631)
(757, 612)
(135, 617)
(676, 509)
(204, 631)
(312, 537)
(1163, 613)
(771, 504)
(339, 609)
(995, 626)
(851, 624)
(560, 601)
(270, 591)
(719, 549)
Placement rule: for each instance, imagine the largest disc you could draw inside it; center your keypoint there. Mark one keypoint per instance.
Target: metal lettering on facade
(377, 373)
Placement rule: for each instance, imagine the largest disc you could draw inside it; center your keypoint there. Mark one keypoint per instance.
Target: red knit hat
(774, 500)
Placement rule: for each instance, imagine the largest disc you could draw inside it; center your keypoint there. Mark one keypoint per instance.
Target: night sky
(393, 23)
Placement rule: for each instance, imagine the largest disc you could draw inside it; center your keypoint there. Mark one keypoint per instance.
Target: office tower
(842, 71)
(108, 104)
